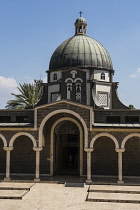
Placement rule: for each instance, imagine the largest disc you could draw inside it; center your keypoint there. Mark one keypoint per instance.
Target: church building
(79, 127)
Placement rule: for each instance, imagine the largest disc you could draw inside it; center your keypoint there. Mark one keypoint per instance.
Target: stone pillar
(37, 150)
(7, 149)
(88, 150)
(120, 151)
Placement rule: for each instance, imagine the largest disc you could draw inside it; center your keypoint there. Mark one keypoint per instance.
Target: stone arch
(22, 134)
(78, 79)
(81, 141)
(128, 137)
(74, 71)
(4, 140)
(107, 135)
(69, 79)
(58, 112)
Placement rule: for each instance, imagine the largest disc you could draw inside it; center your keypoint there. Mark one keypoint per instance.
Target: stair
(112, 193)
(12, 194)
(10, 190)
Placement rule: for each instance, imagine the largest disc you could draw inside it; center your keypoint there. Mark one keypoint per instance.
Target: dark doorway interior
(70, 158)
(67, 151)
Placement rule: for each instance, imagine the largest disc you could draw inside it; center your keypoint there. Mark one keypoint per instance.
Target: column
(7, 149)
(37, 150)
(120, 151)
(88, 150)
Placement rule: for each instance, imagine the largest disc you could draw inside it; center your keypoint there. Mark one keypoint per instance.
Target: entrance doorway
(66, 149)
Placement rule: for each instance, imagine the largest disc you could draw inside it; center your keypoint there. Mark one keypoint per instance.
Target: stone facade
(79, 126)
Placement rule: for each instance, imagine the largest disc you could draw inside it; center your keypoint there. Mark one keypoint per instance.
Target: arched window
(78, 88)
(78, 92)
(103, 76)
(69, 89)
(73, 72)
(55, 77)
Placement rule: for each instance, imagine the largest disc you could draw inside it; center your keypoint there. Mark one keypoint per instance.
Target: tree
(29, 95)
(131, 106)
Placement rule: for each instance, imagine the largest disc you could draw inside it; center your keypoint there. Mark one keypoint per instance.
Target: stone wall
(44, 111)
(100, 116)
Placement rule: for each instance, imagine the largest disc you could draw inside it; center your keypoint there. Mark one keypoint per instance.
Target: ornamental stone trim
(22, 134)
(120, 150)
(63, 111)
(128, 137)
(81, 142)
(101, 135)
(88, 149)
(4, 140)
(37, 149)
(8, 148)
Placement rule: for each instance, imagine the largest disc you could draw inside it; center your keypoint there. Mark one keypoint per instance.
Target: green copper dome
(80, 51)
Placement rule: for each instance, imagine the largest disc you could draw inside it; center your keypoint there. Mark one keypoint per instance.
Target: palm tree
(29, 95)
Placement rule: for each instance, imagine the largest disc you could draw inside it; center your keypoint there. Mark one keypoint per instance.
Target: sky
(30, 31)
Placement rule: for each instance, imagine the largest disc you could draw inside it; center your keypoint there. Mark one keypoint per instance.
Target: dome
(80, 20)
(80, 51)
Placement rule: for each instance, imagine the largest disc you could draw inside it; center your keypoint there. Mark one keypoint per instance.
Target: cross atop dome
(81, 13)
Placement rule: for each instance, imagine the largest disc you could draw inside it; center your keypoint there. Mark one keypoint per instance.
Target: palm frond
(29, 95)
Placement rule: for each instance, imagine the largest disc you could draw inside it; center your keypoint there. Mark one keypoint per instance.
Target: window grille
(103, 99)
(78, 96)
(55, 97)
(78, 92)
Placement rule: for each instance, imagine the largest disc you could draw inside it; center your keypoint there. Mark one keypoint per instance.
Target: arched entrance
(50, 156)
(2, 154)
(131, 159)
(104, 156)
(66, 146)
(22, 156)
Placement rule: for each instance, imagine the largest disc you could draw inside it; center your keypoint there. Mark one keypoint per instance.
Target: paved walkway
(55, 196)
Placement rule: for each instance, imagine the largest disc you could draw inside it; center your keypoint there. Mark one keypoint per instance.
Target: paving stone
(46, 196)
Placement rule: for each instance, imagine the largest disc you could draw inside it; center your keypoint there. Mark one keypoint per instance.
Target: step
(15, 186)
(114, 189)
(12, 194)
(113, 197)
(69, 184)
(116, 184)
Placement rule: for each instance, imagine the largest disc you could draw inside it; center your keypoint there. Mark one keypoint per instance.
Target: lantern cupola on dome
(80, 26)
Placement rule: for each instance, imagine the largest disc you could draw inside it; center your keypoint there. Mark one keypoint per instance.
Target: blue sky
(30, 31)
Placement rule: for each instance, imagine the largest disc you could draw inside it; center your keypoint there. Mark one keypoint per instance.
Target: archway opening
(131, 157)
(2, 158)
(23, 156)
(66, 149)
(104, 157)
